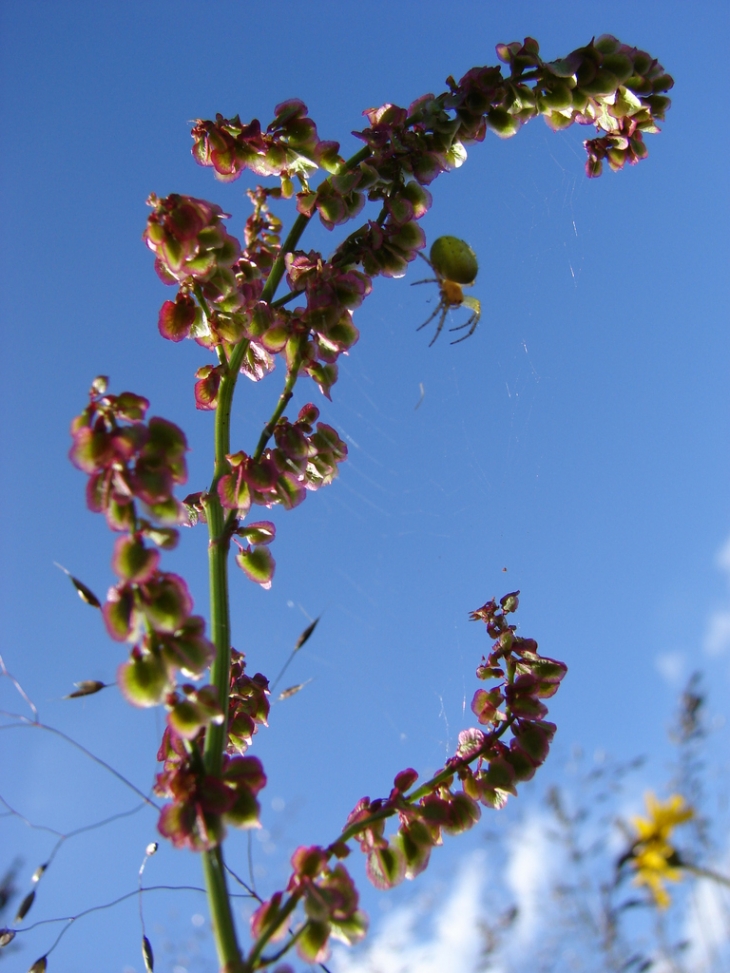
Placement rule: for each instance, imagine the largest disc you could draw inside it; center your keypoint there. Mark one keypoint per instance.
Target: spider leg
(429, 320)
(427, 280)
(471, 322)
(440, 325)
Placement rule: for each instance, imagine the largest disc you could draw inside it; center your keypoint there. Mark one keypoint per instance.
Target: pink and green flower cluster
(486, 767)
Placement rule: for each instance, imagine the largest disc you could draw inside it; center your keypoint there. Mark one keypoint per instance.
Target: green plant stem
(284, 398)
(219, 902)
(229, 952)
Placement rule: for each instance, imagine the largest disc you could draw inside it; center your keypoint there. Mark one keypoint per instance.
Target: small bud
(39, 966)
(151, 849)
(6, 936)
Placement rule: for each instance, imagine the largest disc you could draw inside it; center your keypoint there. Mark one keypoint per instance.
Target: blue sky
(578, 439)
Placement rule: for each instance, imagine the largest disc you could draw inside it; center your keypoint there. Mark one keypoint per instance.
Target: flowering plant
(226, 301)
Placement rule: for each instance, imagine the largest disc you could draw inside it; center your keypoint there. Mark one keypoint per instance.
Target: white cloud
(529, 875)
(723, 557)
(419, 937)
(717, 636)
(671, 666)
(400, 945)
(706, 925)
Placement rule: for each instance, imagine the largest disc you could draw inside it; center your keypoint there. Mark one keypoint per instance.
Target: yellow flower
(653, 857)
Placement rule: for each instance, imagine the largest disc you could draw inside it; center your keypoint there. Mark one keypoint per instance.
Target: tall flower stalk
(226, 301)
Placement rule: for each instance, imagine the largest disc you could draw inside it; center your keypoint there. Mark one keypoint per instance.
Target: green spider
(455, 265)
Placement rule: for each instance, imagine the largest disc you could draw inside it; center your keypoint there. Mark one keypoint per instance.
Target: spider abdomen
(454, 260)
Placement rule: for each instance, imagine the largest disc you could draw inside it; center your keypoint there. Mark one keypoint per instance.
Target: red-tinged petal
(386, 867)
(177, 823)
(500, 775)
(261, 476)
(245, 773)
(265, 916)
(133, 561)
(470, 742)
(97, 492)
(167, 442)
(463, 814)
(206, 388)
(308, 414)
(245, 811)
(262, 532)
(166, 602)
(177, 318)
(522, 765)
(151, 485)
(309, 860)
(188, 649)
(213, 796)
(485, 705)
(405, 780)
(312, 944)
(350, 930)
(163, 273)
(91, 450)
(257, 362)
(325, 377)
(415, 842)
(291, 440)
(234, 493)
(258, 564)
(131, 407)
(290, 491)
(188, 716)
(119, 614)
(143, 680)
(533, 740)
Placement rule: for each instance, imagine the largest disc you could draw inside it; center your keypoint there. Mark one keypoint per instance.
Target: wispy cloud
(402, 945)
(450, 937)
(717, 635)
(706, 925)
